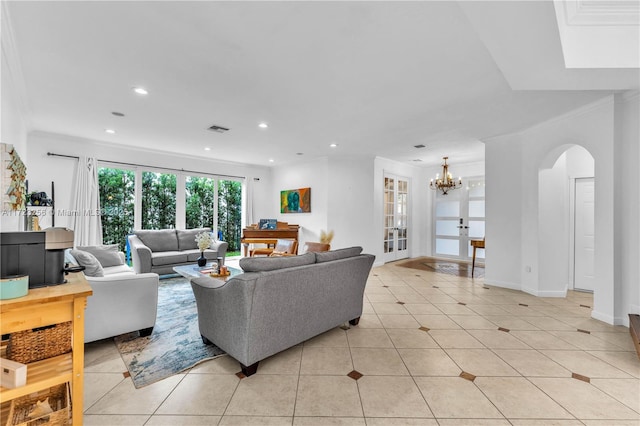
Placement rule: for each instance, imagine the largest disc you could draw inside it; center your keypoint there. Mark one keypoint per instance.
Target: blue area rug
(175, 344)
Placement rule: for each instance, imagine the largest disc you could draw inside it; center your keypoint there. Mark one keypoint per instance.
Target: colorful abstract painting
(295, 201)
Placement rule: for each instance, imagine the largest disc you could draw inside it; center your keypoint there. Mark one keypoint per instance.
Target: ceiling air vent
(218, 129)
(419, 146)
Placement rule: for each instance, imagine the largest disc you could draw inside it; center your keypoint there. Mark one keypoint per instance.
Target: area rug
(175, 344)
(451, 267)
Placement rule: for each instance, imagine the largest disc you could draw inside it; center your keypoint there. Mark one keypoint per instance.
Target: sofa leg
(250, 370)
(146, 332)
(206, 341)
(354, 321)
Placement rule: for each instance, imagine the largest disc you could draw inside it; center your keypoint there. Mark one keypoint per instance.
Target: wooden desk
(476, 244)
(46, 306)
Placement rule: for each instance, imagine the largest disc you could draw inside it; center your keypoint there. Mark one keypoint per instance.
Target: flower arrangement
(204, 240)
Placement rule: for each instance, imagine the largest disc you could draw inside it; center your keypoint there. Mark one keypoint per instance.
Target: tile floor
(432, 349)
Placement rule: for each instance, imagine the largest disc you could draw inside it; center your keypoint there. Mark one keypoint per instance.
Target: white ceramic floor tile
(267, 395)
(334, 396)
(455, 397)
(200, 395)
(392, 397)
(516, 397)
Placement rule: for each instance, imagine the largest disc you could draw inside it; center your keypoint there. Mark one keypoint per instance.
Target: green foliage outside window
(117, 197)
(230, 212)
(158, 200)
(199, 193)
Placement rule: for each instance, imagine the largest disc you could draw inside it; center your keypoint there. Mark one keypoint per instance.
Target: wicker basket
(40, 343)
(59, 400)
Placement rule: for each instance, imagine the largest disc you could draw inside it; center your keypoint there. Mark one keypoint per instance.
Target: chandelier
(445, 183)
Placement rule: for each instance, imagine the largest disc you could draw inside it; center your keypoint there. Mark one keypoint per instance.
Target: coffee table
(193, 271)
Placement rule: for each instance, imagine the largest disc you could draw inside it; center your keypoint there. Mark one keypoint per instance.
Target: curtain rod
(51, 154)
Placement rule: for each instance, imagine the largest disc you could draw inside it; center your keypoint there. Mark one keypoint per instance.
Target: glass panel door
(459, 218)
(395, 234)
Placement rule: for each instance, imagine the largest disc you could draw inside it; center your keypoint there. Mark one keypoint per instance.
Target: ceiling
(375, 78)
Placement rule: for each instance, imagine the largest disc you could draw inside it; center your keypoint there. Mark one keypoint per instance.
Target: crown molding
(601, 12)
(11, 60)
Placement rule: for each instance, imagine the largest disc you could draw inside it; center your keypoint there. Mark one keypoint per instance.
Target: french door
(459, 218)
(396, 219)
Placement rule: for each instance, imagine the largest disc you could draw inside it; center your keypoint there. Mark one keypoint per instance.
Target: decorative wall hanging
(14, 176)
(295, 201)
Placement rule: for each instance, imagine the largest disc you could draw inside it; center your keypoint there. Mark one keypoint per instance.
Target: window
(158, 200)
(117, 200)
(211, 203)
(200, 199)
(229, 213)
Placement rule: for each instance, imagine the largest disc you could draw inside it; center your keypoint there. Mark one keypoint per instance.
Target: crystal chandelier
(446, 182)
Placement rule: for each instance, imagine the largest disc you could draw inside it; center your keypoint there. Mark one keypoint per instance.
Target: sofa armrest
(121, 303)
(220, 247)
(140, 255)
(224, 312)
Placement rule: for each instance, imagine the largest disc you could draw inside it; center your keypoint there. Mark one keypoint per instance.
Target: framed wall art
(295, 200)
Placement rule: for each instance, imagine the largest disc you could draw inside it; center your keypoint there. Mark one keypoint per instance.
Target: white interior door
(396, 218)
(584, 222)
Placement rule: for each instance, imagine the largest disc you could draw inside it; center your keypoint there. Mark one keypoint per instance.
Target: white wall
(350, 203)
(553, 236)
(44, 169)
(13, 121)
(503, 212)
(613, 146)
(304, 174)
(627, 231)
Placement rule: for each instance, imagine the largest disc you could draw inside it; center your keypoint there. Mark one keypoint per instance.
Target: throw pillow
(89, 261)
(107, 255)
(257, 264)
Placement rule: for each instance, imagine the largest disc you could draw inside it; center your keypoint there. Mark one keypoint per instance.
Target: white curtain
(87, 223)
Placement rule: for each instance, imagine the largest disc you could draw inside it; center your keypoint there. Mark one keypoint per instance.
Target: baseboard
(503, 284)
(603, 317)
(634, 309)
(379, 263)
(634, 330)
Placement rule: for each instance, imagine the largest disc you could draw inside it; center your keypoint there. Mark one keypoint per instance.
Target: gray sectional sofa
(160, 250)
(279, 302)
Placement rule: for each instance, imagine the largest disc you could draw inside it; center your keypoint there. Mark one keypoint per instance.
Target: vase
(202, 261)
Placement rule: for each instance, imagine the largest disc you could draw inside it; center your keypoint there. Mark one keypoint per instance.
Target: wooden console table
(476, 244)
(46, 306)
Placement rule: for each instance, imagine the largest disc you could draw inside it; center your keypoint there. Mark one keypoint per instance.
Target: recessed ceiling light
(140, 90)
(117, 114)
(263, 125)
(110, 131)
(206, 148)
(333, 145)
(271, 160)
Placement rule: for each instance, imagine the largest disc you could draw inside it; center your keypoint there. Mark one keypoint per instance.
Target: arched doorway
(566, 213)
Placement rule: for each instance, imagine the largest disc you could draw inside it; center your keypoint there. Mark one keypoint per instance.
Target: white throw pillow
(107, 255)
(89, 261)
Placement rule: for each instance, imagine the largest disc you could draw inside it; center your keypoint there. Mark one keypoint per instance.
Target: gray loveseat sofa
(160, 250)
(279, 302)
